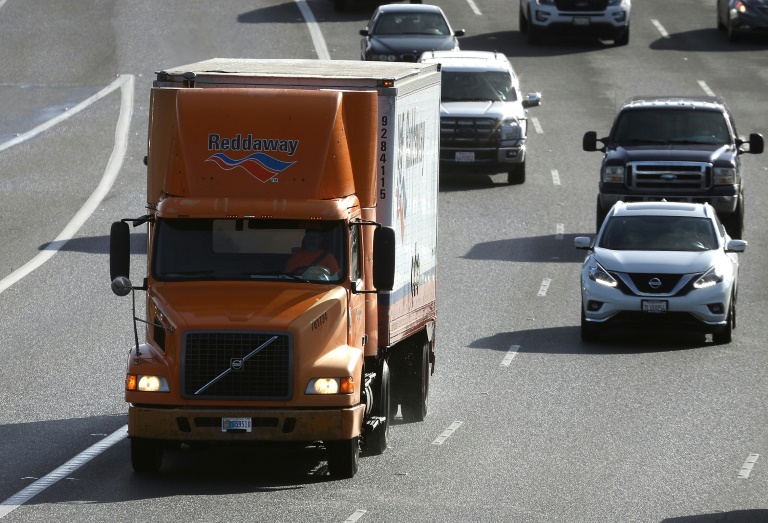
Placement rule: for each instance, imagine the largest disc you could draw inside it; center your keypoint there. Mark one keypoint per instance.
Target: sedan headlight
(710, 278)
(330, 386)
(598, 274)
(146, 383)
(725, 175)
(511, 130)
(613, 174)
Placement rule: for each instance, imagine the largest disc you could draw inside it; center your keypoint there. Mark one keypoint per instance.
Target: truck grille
(227, 365)
(469, 132)
(680, 176)
(581, 5)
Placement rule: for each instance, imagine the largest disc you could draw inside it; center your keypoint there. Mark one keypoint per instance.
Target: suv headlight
(724, 175)
(710, 278)
(599, 275)
(511, 130)
(613, 174)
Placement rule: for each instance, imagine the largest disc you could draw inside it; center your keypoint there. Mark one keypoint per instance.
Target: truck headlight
(145, 383)
(330, 386)
(599, 275)
(613, 174)
(710, 278)
(511, 130)
(724, 175)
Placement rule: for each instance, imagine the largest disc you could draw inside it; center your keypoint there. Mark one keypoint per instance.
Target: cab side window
(356, 244)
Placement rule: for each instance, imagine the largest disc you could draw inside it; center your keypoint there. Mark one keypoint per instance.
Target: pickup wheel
(600, 215)
(146, 455)
(522, 22)
(516, 175)
(343, 457)
(735, 224)
(377, 440)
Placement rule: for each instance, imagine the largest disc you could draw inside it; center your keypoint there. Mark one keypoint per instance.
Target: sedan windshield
(248, 249)
(670, 126)
(658, 233)
(460, 86)
(411, 24)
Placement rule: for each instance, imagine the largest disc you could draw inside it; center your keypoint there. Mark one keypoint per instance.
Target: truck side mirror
(756, 143)
(384, 258)
(589, 143)
(119, 250)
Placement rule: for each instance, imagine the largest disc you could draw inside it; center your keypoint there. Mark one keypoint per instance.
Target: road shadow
(530, 249)
(567, 340)
(709, 40)
(458, 181)
(733, 516)
(515, 44)
(99, 244)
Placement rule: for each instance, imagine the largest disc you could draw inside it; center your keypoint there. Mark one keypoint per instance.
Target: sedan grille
(666, 177)
(237, 365)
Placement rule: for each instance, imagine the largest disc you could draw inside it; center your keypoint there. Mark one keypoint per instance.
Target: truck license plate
(581, 20)
(655, 306)
(236, 424)
(465, 156)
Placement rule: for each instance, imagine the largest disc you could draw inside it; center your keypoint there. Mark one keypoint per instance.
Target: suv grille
(582, 5)
(469, 132)
(267, 374)
(680, 176)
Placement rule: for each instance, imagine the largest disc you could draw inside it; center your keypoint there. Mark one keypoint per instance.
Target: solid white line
(544, 286)
(447, 432)
(314, 31)
(474, 8)
(537, 125)
(110, 173)
(559, 230)
(511, 353)
(660, 27)
(555, 177)
(706, 88)
(357, 514)
(21, 497)
(2, 3)
(746, 468)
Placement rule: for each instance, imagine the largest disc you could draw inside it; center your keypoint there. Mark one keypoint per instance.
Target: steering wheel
(313, 272)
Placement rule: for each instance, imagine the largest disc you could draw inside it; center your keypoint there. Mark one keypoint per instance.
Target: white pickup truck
(483, 116)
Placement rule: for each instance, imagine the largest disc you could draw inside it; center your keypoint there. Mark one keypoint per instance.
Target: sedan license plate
(654, 306)
(581, 20)
(465, 156)
(236, 424)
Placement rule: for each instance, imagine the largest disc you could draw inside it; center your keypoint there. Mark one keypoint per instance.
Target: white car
(660, 266)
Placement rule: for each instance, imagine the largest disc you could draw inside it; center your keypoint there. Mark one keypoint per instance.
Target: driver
(311, 254)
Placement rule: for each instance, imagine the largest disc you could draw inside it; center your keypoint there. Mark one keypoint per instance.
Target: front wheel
(416, 395)
(146, 455)
(522, 22)
(343, 457)
(377, 440)
(623, 39)
(735, 224)
(589, 333)
(516, 175)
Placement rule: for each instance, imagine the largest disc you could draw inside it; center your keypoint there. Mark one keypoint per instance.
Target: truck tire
(146, 455)
(377, 440)
(343, 457)
(623, 39)
(734, 224)
(516, 175)
(415, 398)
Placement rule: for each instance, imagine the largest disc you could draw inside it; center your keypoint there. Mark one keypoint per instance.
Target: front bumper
(283, 425)
(486, 161)
(610, 24)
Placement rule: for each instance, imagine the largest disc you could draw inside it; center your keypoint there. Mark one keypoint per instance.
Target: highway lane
(638, 429)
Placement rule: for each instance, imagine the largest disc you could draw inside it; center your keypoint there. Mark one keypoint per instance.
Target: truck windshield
(461, 86)
(249, 249)
(670, 126)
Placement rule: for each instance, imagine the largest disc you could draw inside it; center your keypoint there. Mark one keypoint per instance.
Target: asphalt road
(533, 425)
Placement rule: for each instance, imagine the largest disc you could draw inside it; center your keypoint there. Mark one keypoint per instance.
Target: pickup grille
(581, 5)
(660, 176)
(469, 132)
(217, 365)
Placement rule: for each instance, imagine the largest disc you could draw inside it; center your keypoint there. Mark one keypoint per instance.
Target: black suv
(682, 149)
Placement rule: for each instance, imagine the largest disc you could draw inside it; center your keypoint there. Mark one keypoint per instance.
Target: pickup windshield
(493, 86)
(670, 127)
(248, 249)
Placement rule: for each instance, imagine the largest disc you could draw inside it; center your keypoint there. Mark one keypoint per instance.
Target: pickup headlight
(710, 278)
(511, 130)
(330, 386)
(145, 383)
(724, 175)
(599, 275)
(613, 174)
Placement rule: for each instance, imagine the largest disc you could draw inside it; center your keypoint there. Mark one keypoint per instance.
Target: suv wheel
(522, 22)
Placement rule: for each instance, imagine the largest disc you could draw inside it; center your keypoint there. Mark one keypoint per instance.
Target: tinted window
(658, 233)
(670, 126)
(465, 86)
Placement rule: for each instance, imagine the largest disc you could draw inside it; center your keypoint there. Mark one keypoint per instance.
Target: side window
(357, 250)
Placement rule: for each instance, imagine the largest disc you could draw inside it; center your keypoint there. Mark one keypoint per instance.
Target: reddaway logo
(260, 165)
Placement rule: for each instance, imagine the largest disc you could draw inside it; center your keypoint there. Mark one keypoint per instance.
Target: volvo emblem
(236, 364)
(654, 283)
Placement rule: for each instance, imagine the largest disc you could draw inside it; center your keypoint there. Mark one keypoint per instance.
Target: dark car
(742, 17)
(402, 32)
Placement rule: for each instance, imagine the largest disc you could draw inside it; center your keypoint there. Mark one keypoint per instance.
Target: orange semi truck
(291, 227)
